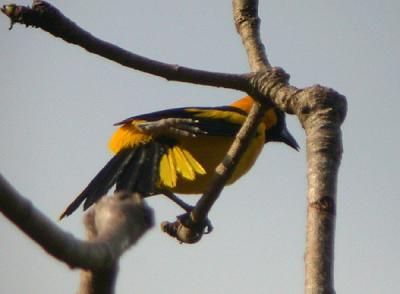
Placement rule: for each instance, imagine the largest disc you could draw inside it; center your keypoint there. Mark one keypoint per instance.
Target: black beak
(288, 139)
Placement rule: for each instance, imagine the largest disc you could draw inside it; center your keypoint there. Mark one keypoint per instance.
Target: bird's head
(274, 120)
(278, 132)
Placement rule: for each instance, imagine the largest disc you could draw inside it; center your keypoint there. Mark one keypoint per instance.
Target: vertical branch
(112, 216)
(324, 153)
(100, 281)
(321, 112)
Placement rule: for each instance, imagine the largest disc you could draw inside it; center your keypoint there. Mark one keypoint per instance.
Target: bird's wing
(142, 168)
(143, 162)
(224, 121)
(102, 182)
(176, 161)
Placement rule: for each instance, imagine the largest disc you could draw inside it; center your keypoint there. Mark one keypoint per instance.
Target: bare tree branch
(119, 221)
(45, 16)
(100, 281)
(258, 61)
(190, 228)
(320, 110)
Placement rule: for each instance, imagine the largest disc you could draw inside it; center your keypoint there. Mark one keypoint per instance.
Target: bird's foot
(182, 204)
(176, 126)
(185, 230)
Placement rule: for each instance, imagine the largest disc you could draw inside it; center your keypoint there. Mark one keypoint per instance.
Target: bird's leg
(206, 227)
(177, 126)
(182, 204)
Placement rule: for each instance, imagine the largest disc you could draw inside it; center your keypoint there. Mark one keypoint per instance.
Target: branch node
(267, 83)
(319, 100)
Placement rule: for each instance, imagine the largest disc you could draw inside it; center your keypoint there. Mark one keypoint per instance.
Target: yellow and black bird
(177, 150)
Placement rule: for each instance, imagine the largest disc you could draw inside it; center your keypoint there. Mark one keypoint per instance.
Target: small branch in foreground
(188, 228)
(120, 222)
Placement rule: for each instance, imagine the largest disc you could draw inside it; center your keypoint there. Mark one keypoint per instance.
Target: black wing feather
(217, 127)
(101, 183)
(183, 112)
(159, 151)
(142, 173)
(129, 177)
(107, 178)
(132, 169)
(149, 177)
(211, 126)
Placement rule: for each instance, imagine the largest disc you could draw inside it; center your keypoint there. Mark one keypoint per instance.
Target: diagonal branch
(45, 16)
(258, 61)
(247, 24)
(190, 227)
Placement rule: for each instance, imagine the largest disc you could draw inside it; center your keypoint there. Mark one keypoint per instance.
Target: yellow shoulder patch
(127, 136)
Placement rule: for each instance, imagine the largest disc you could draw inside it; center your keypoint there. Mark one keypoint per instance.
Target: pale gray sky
(58, 104)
